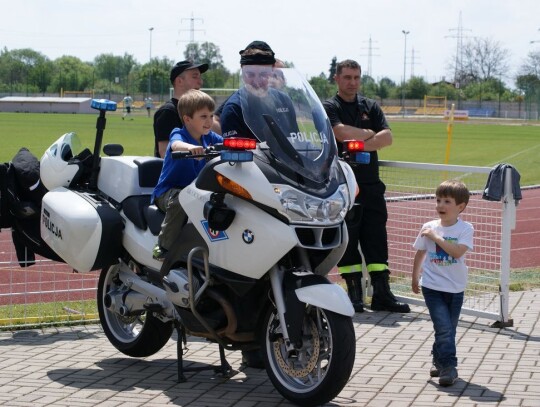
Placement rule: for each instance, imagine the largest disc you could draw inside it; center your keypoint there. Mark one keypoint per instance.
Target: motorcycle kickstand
(225, 369)
(180, 351)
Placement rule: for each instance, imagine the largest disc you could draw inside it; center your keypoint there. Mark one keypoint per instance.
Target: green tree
(25, 70)
(322, 87)
(369, 87)
(116, 72)
(206, 53)
(209, 53)
(416, 88)
(71, 74)
(384, 88)
(158, 70)
(332, 70)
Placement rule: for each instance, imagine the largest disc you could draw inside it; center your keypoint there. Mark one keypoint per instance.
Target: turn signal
(233, 187)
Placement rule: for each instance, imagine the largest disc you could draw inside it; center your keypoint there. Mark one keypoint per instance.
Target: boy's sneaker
(448, 376)
(434, 371)
(159, 253)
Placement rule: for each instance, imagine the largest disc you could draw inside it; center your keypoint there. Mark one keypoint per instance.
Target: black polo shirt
(363, 113)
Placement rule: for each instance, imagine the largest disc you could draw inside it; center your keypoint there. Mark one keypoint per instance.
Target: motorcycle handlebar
(210, 151)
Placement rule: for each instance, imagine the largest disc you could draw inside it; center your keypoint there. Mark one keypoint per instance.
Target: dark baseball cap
(184, 66)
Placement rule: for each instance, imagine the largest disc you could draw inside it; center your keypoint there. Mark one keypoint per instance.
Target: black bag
(23, 195)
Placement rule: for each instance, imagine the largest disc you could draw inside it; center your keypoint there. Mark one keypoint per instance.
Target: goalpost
(434, 104)
(77, 93)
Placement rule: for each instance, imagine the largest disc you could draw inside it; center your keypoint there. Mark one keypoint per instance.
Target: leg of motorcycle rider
(171, 226)
(353, 277)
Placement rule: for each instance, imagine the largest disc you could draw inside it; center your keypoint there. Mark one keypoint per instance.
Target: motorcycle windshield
(282, 110)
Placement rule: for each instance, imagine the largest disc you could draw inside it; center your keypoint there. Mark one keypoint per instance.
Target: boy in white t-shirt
(440, 260)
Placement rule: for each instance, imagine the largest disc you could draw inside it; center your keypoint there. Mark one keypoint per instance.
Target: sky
(308, 33)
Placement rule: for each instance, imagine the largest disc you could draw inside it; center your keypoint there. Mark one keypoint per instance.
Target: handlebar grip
(182, 154)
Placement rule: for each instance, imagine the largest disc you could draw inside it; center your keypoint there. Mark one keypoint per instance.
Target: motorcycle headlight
(303, 208)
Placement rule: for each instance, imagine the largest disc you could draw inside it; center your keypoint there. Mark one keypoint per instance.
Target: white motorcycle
(266, 225)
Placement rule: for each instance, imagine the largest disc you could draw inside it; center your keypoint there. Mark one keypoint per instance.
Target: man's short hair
(194, 100)
(348, 63)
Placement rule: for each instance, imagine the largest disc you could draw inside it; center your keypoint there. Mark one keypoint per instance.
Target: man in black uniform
(185, 75)
(354, 117)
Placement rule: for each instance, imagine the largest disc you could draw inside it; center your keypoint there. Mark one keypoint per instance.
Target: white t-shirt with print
(440, 271)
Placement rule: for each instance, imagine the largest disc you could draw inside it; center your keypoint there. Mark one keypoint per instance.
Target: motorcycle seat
(133, 208)
(143, 215)
(154, 217)
(149, 170)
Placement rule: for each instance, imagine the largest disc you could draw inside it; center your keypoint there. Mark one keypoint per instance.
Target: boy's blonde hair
(453, 189)
(194, 100)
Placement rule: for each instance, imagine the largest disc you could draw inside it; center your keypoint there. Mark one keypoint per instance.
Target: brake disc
(296, 367)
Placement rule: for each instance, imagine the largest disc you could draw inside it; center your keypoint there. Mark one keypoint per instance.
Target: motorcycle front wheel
(318, 371)
(137, 336)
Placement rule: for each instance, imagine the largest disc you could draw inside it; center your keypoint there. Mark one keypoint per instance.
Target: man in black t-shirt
(354, 117)
(185, 75)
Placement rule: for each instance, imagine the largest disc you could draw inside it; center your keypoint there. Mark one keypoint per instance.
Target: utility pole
(413, 61)
(458, 69)
(192, 29)
(405, 33)
(150, 61)
(370, 55)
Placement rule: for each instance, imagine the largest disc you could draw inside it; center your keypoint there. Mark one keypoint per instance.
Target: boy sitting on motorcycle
(196, 110)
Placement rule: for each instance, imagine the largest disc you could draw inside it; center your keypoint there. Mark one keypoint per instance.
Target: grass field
(473, 143)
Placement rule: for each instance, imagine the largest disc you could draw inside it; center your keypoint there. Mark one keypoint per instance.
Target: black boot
(383, 299)
(354, 289)
(253, 358)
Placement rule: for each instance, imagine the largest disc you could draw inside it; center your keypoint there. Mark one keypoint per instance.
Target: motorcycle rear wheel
(316, 373)
(137, 336)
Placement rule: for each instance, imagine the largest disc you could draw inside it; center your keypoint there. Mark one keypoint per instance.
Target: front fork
(276, 279)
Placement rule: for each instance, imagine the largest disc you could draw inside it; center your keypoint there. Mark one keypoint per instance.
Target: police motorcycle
(266, 225)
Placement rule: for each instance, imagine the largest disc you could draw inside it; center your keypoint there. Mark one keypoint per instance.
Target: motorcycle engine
(177, 286)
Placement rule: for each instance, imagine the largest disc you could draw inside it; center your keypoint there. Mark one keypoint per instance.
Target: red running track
(50, 281)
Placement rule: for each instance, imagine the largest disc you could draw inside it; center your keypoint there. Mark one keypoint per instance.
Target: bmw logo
(248, 236)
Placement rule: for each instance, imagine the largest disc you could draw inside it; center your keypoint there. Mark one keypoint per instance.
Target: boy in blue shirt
(196, 110)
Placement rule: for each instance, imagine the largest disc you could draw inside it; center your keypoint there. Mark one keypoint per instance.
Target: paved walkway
(77, 366)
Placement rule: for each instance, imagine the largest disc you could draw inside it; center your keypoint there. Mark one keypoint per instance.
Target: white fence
(26, 294)
(411, 202)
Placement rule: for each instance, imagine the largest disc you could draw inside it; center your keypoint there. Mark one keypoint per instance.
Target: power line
(370, 56)
(192, 29)
(459, 49)
(413, 61)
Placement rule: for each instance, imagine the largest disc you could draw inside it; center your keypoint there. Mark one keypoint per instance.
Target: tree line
(478, 73)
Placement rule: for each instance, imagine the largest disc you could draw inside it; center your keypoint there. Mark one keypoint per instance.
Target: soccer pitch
(473, 143)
